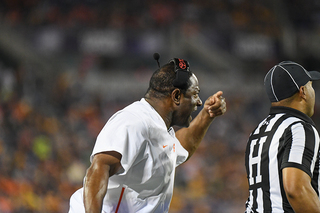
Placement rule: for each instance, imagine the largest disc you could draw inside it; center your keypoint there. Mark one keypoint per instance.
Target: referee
(282, 154)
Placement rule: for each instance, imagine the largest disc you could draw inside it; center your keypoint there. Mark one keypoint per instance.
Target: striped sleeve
(301, 144)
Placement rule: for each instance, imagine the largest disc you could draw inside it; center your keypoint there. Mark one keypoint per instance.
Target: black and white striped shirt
(286, 138)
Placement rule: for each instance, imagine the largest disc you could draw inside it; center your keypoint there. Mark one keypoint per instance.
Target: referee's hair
(161, 82)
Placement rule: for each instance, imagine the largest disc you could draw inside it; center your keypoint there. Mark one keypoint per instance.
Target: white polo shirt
(150, 152)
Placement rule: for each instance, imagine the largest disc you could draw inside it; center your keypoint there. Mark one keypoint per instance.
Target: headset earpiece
(182, 69)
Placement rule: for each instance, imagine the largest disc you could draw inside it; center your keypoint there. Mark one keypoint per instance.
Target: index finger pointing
(218, 94)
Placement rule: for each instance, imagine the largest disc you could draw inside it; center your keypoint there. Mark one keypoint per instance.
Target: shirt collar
(291, 111)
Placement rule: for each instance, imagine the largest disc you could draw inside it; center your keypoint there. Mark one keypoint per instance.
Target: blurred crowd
(142, 14)
(223, 16)
(219, 20)
(47, 135)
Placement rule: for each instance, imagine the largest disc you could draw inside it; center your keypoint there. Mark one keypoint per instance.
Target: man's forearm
(95, 188)
(92, 200)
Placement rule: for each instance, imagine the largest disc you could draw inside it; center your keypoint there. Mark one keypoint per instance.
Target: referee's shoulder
(303, 126)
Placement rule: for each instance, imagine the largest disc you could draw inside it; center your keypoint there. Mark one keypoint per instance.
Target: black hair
(161, 82)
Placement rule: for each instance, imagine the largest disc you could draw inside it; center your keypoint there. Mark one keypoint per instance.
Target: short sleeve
(182, 154)
(124, 133)
(301, 148)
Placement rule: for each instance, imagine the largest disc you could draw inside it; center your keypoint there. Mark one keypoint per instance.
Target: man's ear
(302, 92)
(176, 96)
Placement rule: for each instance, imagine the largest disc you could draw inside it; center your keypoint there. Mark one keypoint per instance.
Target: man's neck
(162, 106)
(292, 104)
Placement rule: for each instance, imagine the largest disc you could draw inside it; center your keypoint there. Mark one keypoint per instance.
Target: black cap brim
(315, 75)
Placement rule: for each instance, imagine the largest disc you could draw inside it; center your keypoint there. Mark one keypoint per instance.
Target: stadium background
(67, 65)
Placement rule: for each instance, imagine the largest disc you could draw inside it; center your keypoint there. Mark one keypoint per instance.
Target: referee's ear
(176, 96)
(302, 92)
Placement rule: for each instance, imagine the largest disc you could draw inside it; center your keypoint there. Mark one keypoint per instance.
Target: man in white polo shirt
(135, 155)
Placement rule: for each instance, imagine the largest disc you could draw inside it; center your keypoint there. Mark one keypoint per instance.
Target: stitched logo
(182, 64)
(164, 146)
